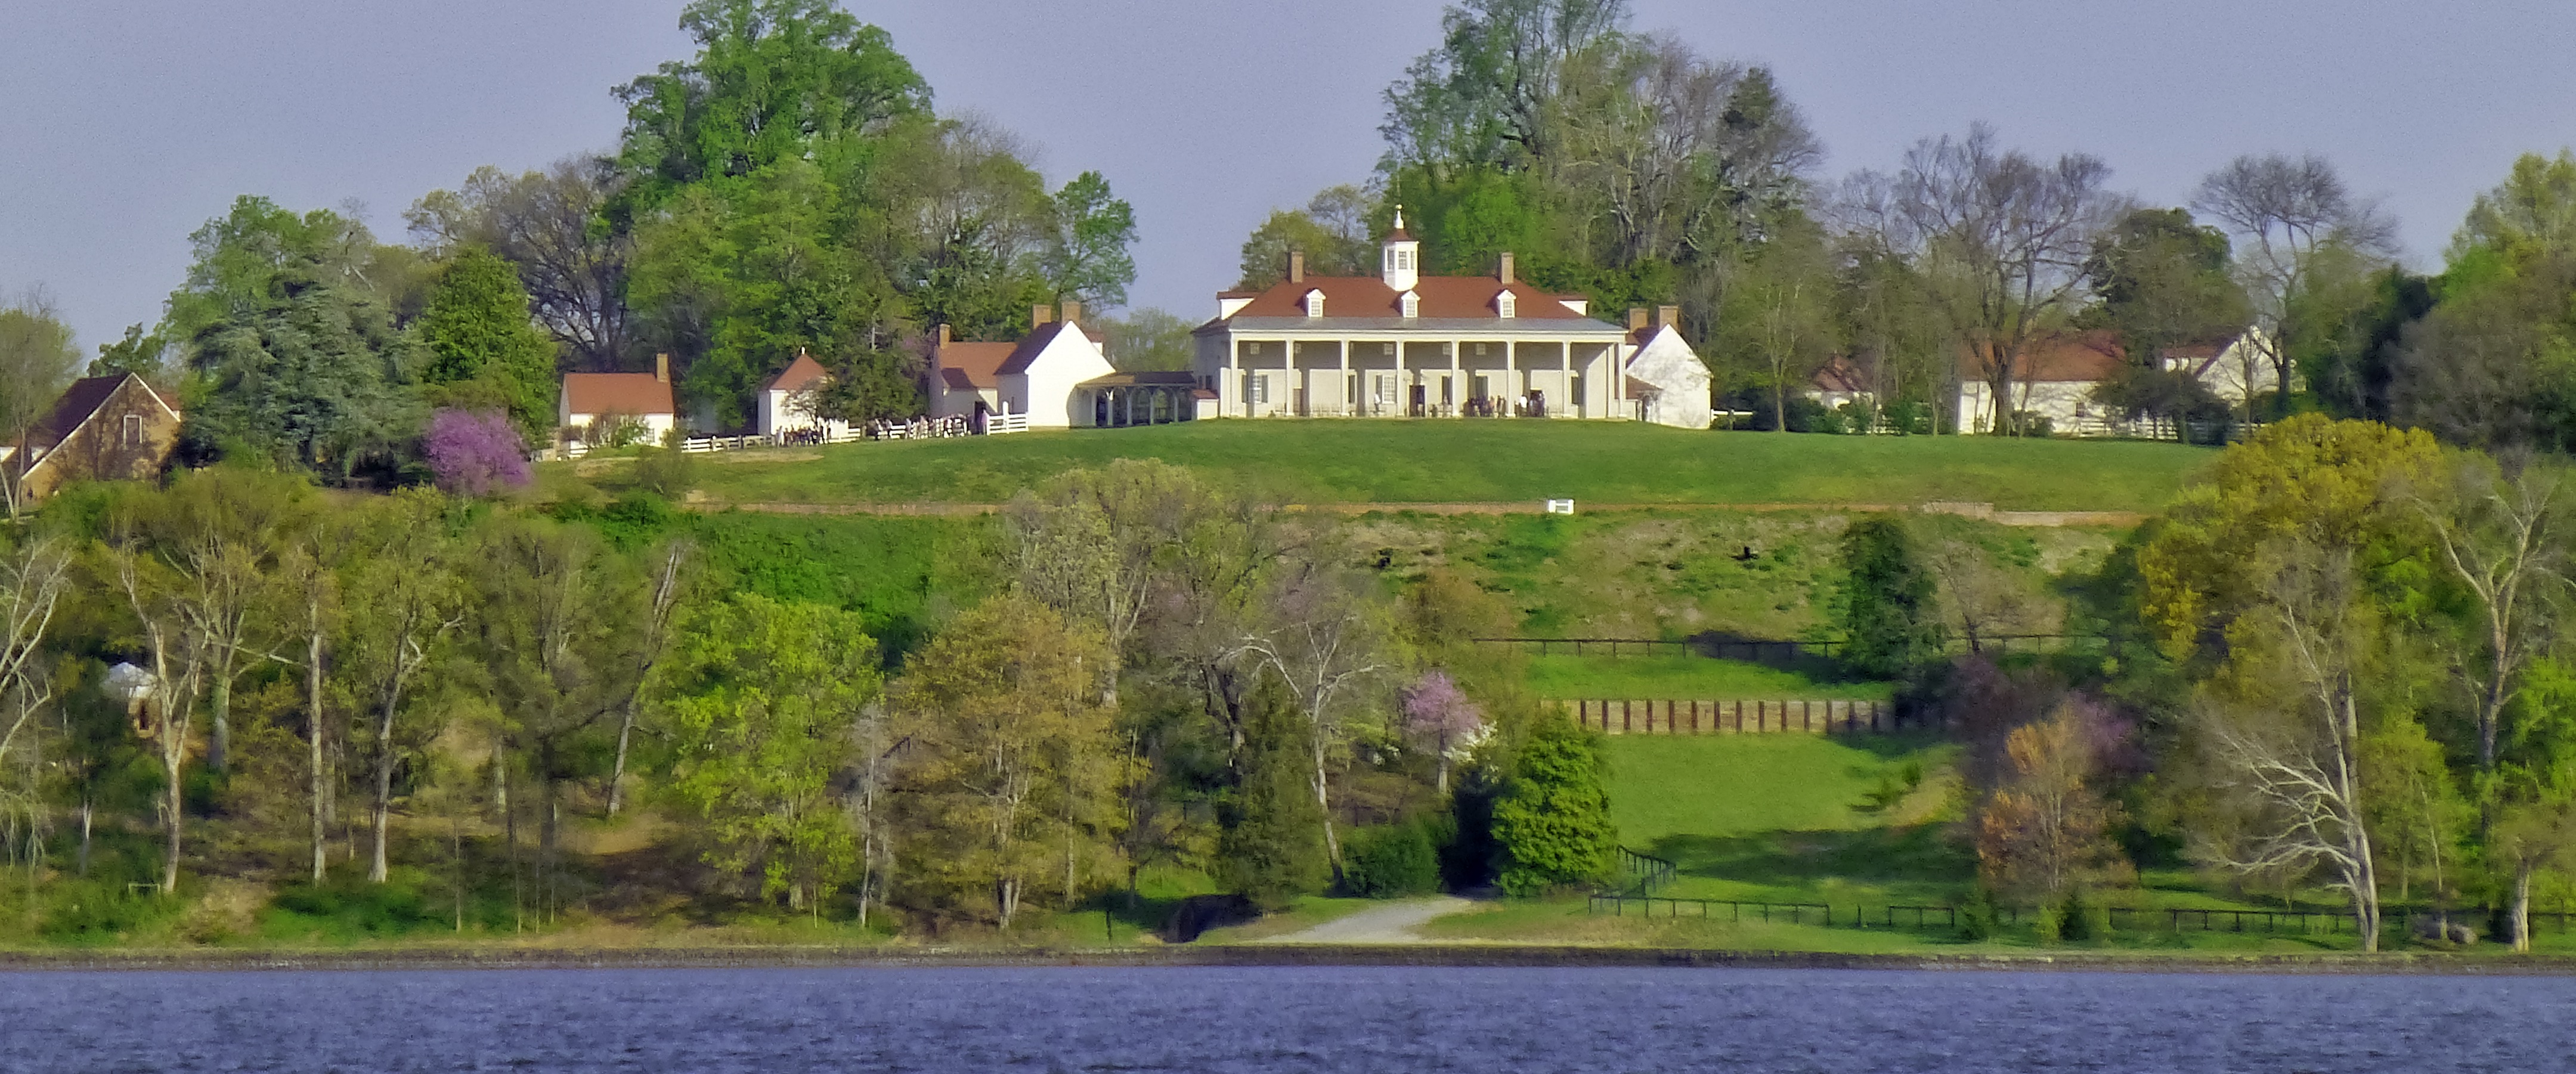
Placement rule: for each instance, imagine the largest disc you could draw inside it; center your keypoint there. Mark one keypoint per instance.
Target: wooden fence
(1664, 716)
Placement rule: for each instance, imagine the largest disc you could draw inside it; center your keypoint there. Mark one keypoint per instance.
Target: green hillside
(1326, 461)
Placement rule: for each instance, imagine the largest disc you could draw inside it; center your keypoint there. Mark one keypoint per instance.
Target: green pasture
(1501, 460)
(1557, 675)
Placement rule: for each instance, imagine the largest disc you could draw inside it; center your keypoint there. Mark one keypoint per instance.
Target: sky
(128, 123)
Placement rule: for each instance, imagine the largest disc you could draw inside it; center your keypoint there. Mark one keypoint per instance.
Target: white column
(1459, 384)
(1346, 377)
(1564, 378)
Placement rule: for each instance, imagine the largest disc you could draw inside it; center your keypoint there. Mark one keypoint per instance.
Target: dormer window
(1315, 303)
(1411, 303)
(1506, 305)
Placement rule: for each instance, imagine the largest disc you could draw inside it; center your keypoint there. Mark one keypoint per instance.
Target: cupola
(1400, 261)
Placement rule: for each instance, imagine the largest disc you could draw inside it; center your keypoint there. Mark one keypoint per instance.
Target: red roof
(617, 393)
(798, 374)
(968, 366)
(1443, 297)
(1839, 375)
(2075, 358)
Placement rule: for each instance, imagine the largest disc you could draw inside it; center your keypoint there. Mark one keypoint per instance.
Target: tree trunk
(617, 773)
(174, 801)
(381, 810)
(85, 813)
(219, 710)
(1324, 805)
(313, 729)
(2522, 906)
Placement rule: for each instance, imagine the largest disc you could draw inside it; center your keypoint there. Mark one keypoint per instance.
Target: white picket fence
(924, 428)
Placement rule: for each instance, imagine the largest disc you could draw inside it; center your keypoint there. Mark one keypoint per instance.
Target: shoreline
(1263, 955)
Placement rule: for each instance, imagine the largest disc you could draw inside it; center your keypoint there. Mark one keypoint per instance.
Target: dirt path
(1531, 507)
(1392, 923)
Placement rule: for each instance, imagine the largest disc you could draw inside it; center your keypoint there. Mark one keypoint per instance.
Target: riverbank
(1259, 955)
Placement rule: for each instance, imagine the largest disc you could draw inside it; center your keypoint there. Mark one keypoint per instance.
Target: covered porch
(1123, 399)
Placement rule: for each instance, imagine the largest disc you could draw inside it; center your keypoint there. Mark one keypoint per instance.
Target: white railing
(918, 428)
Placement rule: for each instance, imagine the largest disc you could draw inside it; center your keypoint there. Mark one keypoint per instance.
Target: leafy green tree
(1332, 230)
(554, 226)
(141, 353)
(1272, 848)
(738, 275)
(37, 359)
(1891, 625)
(761, 698)
(477, 329)
(1012, 774)
(774, 80)
(1088, 260)
(2164, 282)
(1149, 340)
(1553, 822)
(313, 376)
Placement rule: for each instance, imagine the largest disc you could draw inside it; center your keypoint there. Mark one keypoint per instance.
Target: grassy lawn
(1325, 461)
(1691, 677)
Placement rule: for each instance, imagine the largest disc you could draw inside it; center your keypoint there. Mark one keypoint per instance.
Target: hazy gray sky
(127, 123)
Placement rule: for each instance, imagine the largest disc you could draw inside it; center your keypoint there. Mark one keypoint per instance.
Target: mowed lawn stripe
(1462, 461)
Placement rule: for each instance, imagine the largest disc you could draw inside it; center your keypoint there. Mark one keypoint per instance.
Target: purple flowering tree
(474, 454)
(1438, 714)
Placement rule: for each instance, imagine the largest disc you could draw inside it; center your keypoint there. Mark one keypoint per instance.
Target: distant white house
(644, 398)
(2058, 375)
(1667, 381)
(787, 402)
(1044, 377)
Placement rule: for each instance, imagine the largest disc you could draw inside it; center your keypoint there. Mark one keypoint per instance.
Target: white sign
(1560, 507)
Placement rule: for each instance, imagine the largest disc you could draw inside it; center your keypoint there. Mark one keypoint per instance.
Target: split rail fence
(1665, 716)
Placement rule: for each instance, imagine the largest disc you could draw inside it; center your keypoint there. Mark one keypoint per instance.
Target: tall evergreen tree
(1553, 822)
(1273, 847)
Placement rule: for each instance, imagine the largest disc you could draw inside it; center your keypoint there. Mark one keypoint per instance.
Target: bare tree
(655, 640)
(2498, 534)
(552, 225)
(2293, 762)
(1986, 600)
(2000, 237)
(1323, 640)
(33, 578)
(2286, 214)
(169, 687)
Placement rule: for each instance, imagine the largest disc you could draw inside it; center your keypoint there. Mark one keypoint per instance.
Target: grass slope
(1689, 677)
(1326, 461)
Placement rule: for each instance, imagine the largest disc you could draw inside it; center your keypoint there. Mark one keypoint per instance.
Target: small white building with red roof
(1402, 344)
(790, 401)
(644, 398)
(1040, 379)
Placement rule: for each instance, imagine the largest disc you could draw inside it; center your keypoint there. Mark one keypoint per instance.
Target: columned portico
(1406, 345)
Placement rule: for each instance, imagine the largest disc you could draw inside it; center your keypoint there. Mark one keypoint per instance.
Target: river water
(1278, 1019)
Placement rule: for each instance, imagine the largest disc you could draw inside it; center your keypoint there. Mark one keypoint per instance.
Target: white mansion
(1401, 344)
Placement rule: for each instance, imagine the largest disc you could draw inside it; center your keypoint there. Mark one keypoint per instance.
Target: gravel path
(1392, 923)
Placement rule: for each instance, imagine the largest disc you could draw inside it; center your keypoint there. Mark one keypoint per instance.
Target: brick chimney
(662, 368)
(943, 335)
(1668, 317)
(1296, 266)
(1506, 272)
(1072, 312)
(1636, 317)
(1039, 315)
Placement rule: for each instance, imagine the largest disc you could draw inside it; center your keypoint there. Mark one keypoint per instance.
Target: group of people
(1529, 405)
(803, 437)
(887, 429)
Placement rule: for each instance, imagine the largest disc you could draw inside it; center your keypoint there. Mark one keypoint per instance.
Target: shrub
(2080, 919)
(1553, 823)
(666, 472)
(1977, 916)
(474, 454)
(1383, 863)
(1887, 601)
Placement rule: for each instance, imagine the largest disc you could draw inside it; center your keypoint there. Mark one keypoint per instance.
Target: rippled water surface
(1317, 1019)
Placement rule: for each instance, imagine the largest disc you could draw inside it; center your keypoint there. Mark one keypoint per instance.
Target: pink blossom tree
(474, 454)
(1436, 712)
